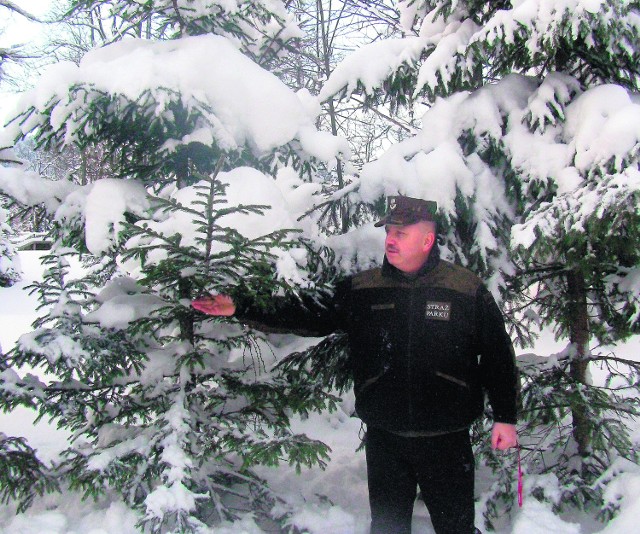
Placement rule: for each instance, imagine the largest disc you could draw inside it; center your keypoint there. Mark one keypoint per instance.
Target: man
(427, 341)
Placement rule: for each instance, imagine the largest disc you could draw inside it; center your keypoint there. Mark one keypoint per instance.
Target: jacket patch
(389, 306)
(438, 311)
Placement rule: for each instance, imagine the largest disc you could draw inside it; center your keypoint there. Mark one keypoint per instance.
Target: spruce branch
(22, 475)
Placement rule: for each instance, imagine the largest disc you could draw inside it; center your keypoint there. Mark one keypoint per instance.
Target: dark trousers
(442, 466)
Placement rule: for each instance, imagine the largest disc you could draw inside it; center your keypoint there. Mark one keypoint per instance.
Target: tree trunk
(326, 57)
(84, 180)
(185, 317)
(579, 337)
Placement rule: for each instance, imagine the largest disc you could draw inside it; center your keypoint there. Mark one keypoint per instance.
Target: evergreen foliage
(22, 475)
(173, 410)
(550, 218)
(170, 408)
(448, 46)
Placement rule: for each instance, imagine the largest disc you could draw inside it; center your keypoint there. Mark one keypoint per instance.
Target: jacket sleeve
(498, 370)
(312, 317)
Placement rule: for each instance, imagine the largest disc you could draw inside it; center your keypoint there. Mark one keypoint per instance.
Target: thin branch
(17, 9)
(386, 117)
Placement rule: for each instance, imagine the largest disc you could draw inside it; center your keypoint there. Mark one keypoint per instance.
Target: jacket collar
(390, 271)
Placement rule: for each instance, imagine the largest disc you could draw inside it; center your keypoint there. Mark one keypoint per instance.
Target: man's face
(407, 247)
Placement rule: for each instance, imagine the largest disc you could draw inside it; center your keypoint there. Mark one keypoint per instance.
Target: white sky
(16, 29)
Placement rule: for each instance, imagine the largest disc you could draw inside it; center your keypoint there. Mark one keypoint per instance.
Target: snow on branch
(233, 100)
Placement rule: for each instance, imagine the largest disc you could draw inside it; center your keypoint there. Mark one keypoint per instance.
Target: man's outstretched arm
(305, 317)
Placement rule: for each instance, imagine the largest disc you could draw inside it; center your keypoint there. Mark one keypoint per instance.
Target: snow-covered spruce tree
(531, 150)
(167, 407)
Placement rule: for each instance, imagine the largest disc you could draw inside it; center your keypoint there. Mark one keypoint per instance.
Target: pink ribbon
(520, 479)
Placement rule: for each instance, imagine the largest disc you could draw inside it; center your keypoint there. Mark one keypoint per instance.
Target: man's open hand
(221, 305)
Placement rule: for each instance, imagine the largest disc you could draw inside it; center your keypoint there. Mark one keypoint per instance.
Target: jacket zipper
(410, 354)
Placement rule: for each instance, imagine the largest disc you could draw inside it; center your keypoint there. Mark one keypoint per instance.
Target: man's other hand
(503, 436)
(222, 305)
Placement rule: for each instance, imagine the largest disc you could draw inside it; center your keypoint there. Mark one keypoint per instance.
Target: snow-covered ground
(343, 507)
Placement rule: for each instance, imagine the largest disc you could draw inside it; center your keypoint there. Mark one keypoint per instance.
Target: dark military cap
(407, 210)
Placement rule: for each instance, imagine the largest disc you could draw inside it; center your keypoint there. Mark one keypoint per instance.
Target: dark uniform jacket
(424, 348)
